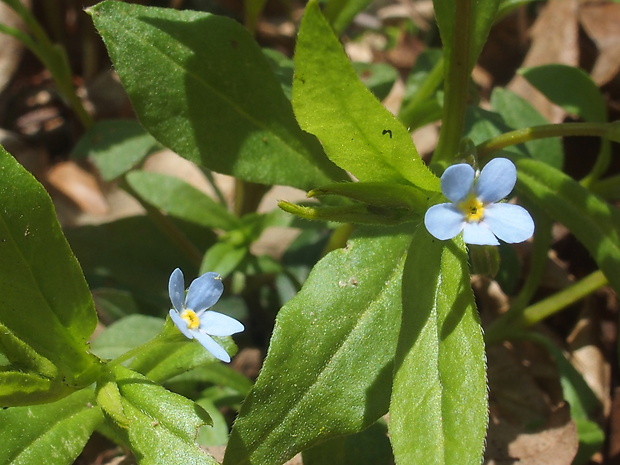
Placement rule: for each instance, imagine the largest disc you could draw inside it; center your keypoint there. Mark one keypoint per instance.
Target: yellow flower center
(190, 317)
(472, 208)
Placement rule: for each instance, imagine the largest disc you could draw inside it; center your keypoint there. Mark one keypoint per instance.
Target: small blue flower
(474, 208)
(192, 316)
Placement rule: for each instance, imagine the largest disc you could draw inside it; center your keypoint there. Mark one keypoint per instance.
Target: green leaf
(357, 132)
(329, 367)
(201, 85)
(355, 214)
(340, 13)
(125, 334)
(518, 113)
(379, 194)
(115, 146)
(169, 360)
(216, 373)
(283, 68)
(481, 125)
(594, 222)
(163, 426)
(370, 447)
(51, 433)
(113, 304)
(46, 310)
(27, 388)
(181, 200)
(109, 399)
(223, 258)
(439, 408)
(133, 254)
(559, 83)
(216, 435)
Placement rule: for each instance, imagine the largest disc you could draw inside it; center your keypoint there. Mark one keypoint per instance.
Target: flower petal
(204, 292)
(181, 324)
(511, 223)
(444, 221)
(479, 234)
(456, 181)
(496, 180)
(208, 343)
(176, 289)
(218, 324)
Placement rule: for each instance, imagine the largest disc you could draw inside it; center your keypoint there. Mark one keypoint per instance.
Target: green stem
(248, 196)
(53, 57)
(165, 337)
(515, 320)
(521, 136)
(338, 238)
(608, 188)
(457, 71)
(216, 189)
(409, 112)
(600, 166)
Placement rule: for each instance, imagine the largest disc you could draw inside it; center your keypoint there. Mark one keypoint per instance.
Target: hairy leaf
(162, 425)
(46, 310)
(357, 132)
(439, 408)
(329, 368)
(201, 85)
(51, 433)
(181, 200)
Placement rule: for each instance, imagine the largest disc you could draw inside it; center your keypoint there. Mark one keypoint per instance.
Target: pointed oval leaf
(45, 301)
(559, 83)
(201, 85)
(439, 408)
(329, 367)
(357, 132)
(163, 426)
(115, 146)
(181, 200)
(26, 388)
(51, 433)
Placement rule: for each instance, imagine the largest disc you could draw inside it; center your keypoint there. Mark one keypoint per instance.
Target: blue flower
(473, 208)
(192, 316)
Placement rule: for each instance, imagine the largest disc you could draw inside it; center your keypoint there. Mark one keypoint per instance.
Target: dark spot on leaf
(387, 131)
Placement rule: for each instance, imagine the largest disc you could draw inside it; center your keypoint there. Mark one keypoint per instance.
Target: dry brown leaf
(614, 428)
(554, 40)
(78, 185)
(600, 21)
(11, 50)
(515, 393)
(555, 443)
(529, 422)
(586, 354)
